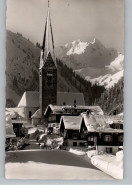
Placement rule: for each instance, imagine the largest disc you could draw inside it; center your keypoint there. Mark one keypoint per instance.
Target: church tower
(48, 69)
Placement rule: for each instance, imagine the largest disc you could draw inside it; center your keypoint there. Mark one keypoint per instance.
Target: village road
(52, 164)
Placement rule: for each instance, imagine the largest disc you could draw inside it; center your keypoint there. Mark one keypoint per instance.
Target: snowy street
(41, 164)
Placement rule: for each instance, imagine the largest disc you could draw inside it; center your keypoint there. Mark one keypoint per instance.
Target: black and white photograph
(64, 89)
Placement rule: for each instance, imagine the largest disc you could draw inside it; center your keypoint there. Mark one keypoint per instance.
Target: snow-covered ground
(110, 164)
(77, 151)
(41, 164)
(34, 170)
(107, 80)
(114, 72)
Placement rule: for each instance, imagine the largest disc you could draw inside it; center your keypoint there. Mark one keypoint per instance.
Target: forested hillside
(112, 99)
(90, 91)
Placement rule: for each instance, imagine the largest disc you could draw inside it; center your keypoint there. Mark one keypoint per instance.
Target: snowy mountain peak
(78, 47)
(94, 40)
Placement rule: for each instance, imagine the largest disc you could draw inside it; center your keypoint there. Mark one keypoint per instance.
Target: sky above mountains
(71, 20)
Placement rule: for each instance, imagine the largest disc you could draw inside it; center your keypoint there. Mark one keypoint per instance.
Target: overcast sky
(71, 20)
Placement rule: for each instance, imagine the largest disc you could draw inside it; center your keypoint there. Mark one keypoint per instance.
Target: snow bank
(42, 137)
(110, 164)
(77, 152)
(92, 153)
(37, 170)
(119, 156)
(8, 124)
(9, 130)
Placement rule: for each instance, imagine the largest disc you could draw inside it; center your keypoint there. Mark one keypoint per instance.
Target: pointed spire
(48, 37)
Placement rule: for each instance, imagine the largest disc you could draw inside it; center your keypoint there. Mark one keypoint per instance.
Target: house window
(120, 138)
(82, 136)
(30, 114)
(91, 138)
(74, 136)
(108, 138)
(53, 118)
(74, 143)
(108, 150)
(50, 118)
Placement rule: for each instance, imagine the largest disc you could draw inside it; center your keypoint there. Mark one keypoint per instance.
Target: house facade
(101, 135)
(70, 130)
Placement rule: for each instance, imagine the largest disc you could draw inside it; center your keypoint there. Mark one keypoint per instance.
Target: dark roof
(31, 99)
(68, 98)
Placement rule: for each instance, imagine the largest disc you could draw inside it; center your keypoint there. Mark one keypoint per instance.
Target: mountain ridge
(92, 60)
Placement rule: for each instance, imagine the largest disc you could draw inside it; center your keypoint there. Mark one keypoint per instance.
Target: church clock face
(49, 78)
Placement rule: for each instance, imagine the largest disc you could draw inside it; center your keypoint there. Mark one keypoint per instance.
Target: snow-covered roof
(36, 115)
(29, 99)
(71, 122)
(67, 109)
(15, 114)
(97, 123)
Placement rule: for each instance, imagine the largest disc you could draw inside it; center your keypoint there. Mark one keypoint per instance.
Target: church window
(49, 77)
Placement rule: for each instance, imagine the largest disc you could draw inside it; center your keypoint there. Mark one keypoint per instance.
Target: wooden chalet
(100, 134)
(70, 129)
(53, 113)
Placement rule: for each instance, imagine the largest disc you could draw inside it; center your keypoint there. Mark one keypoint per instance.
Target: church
(35, 103)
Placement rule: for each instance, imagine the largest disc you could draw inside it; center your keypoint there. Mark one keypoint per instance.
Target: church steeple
(48, 40)
(48, 69)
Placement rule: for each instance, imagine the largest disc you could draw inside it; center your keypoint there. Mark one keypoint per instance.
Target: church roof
(29, 99)
(48, 40)
(37, 114)
(68, 98)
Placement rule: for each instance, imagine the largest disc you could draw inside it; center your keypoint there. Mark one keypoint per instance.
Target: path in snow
(41, 164)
